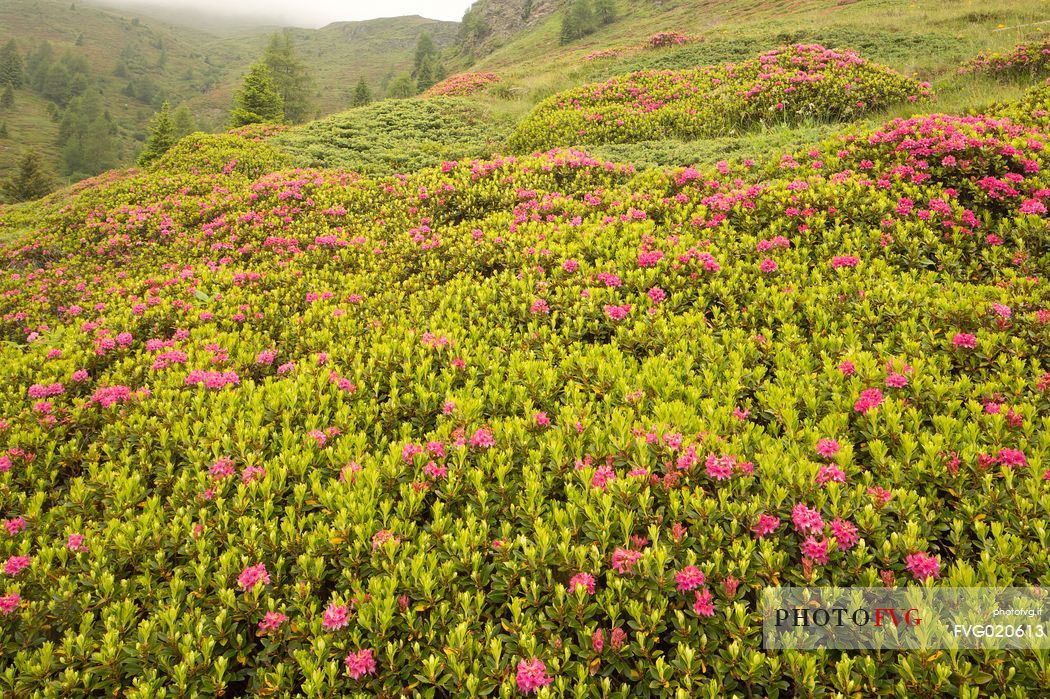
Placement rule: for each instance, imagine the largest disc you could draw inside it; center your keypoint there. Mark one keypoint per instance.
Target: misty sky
(313, 13)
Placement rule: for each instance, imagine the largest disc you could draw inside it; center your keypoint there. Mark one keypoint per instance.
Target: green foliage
(7, 99)
(258, 101)
(790, 85)
(12, 70)
(402, 86)
(402, 417)
(183, 122)
(394, 136)
(362, 94)
(578, 21)
(605, 11)
(3, 130)
(85, 137)
(29, 181)
(291, 77)
(162, 136)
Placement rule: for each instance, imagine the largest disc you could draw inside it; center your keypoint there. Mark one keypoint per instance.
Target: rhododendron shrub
(307, 432)
(787, 85)
(1023, 60)
(461, 84)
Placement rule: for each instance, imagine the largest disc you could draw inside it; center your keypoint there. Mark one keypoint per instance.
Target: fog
(300, 13)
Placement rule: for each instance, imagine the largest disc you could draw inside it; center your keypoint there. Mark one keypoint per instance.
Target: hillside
(157, 61)
(534, 385)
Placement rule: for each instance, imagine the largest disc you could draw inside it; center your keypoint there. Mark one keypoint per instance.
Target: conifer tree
(258, 101)
(7, 100)
(290, 76)
(12, 70)
(30, 181)
(86, 136)
(403, 86)
(605, 11)
(184, 122)
(161, 136)
(3, 130)
(362, 95)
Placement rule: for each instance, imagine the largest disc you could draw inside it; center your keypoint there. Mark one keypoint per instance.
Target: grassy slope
(202, 69)
(930, 39)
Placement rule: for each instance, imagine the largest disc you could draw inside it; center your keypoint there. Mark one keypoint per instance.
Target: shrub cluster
(527, 425)
(788, 85)
(1022, 60)
(395, 136)
(662, 39)
(461, 84)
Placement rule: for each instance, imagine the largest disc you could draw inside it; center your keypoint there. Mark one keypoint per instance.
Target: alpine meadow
(521, 355)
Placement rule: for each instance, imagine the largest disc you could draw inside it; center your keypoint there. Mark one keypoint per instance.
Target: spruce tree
(12, 71)
(161, 136)
(578, 21)
(184, 122)
(605, 11)
(29, 181)
(403, 86)
(7, 100)
(362, 95)
(258, 101)
(291, 77)
(425, 49)
(85, 136)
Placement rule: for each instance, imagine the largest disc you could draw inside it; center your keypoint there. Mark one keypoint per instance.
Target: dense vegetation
(502, 425)
(370, 406)
(787, 85)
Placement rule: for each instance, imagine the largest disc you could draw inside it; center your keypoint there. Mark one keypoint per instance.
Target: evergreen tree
(38, 64)
(3, 130)
(425, 49)
(428, 74)
(605, 11)
(578, 21)
(403, 86)
(290, 76)
(12, 71)
(30, 181)
(362, 95)
(7, 100)
(56, 84)
(183, 121)
(161, 136)
(258, 101)
(85, 136)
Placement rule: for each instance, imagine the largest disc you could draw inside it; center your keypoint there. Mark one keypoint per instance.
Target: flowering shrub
(1024, 59)
(304, 432)
(461, 84)
(786, 85)
(661, 39)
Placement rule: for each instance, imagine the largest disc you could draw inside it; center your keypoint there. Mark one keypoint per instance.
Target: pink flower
(541, 419)
(598, 641)
(767, 524)
(532, 674)
(617, 638)
(689, 579)
(383, 536)
(16, 564)
(704, 604)
(923, 566)
(896, 380)
(9, 603)
(656, 294)
(585, 580)
(433, 470)
(845, 533)
(767, 266)
(617, 312)
(816, 550)
(720, 468)
(570, 265)
(221, 469)
(829, 473)
(76, 543)
(623, 560)
(360, 664)
(1012, 458)
(271, 622)
(14, 525)
(482, 439)
(827, 448)
(1033, 206)
(880, 495)
(844, 261)
(252, 473)
(252, 576)
(964, 340)
(805, 519)
(80, 376)
(266, 358)
(869, 399)
(602, 476)
(847, 368)
(539, 306)
(111, 395)
(336, 616)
